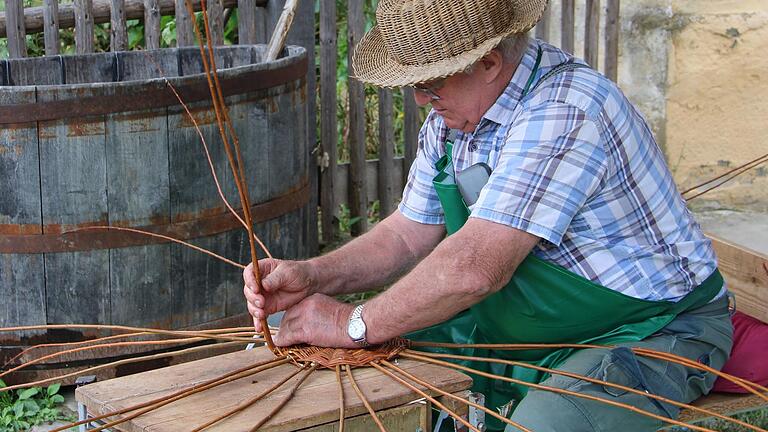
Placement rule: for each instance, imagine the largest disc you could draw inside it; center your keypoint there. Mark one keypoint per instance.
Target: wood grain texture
(185, 35)
(51, 20)
(34, 16)
(328, 133)
(372, 175)
(22, 283)
(723, 403)
(138, 195)
(358, 199)
(612, 35)
(746, 274)
(592, 32)
(216, 20)
(312, 405)
(246, 21)
(73, 181)
(386, 154)
(567, 25)
(36, 71)
(88, 69)
(83, 26)
(412, 126)
(118, 32)
(151, 24)
(17, 42)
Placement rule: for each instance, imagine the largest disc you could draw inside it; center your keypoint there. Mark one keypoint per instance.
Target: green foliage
(21, 410)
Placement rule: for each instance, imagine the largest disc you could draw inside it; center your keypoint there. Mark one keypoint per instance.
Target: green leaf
(18, 409)
(31, 407)
(53, 389)
(57, 399)
(28, 393)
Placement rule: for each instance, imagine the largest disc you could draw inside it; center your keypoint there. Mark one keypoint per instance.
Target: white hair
(511, 48)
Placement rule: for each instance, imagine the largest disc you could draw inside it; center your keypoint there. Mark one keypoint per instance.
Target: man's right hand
(285, 283)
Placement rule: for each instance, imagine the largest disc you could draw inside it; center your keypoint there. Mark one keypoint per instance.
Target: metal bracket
(476, 416)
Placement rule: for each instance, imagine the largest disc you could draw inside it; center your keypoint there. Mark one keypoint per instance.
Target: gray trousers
(704, 335)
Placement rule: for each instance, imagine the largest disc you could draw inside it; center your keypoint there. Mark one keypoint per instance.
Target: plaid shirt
(575, 164)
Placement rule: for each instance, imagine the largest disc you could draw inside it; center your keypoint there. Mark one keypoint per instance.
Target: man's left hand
(317, 320)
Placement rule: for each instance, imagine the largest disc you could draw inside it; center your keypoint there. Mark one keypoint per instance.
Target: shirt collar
(501, 111)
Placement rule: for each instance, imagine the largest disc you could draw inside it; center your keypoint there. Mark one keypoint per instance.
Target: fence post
(566, 25)
(612, 40)
(542, 27)
(151, 24)
(14, 25)
(216, 20)
(328, 133)
(592, 32)
(246, 21)
(118, 40)
(386, 153)
(358, 200)
(411, 131)
(83, 26)
(51, 23)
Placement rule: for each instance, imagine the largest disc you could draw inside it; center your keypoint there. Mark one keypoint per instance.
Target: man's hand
(317, 320)
(285, 284)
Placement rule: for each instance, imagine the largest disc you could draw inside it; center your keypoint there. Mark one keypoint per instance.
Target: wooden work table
(314, 407)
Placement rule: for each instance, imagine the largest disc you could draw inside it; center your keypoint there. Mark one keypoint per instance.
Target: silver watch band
(357, 315)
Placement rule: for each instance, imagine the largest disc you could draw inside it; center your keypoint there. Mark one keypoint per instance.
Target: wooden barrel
(100, 139)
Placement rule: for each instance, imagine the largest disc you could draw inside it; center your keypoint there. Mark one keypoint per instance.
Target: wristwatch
(356, 326)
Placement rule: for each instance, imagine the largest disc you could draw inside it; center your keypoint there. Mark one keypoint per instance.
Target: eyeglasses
(429, 88)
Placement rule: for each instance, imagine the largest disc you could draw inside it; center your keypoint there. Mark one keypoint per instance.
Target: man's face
(457, 100)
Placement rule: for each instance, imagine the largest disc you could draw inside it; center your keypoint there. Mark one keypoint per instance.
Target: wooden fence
(360, 181)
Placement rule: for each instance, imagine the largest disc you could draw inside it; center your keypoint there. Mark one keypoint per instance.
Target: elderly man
(575, 232)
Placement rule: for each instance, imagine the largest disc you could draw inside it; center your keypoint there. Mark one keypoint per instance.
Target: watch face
(356, 329)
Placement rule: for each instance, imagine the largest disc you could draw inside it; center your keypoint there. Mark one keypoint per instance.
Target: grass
(756, 417)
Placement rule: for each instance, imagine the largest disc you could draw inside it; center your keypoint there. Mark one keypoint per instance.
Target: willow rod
(285, 400)
(248, 402)
(341, 398)
(423, 383)
(165, 400)
(595, 381)
(119, 363)
(364, 399)
(558, 391)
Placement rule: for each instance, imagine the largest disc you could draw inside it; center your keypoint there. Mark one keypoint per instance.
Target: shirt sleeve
(420, 202)
(551, 162)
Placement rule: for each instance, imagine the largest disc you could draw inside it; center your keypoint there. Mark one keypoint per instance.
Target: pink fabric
(749, 357)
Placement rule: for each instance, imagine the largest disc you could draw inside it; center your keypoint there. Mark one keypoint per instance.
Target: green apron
(543, 303)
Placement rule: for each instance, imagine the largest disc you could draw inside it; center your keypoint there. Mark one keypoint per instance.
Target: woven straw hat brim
(373, 64)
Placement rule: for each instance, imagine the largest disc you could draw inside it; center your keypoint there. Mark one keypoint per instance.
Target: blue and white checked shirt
(575, 164)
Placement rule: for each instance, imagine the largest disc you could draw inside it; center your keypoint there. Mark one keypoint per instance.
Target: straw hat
(416, 41)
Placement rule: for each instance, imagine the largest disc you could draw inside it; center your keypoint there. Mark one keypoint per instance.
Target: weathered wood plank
(89, 69)
(138, 195)
(51, 19)
(371, 174)
(83, 26)
(199, 295)
(246, 22)
(727, 404)
(592, 32)
(17, 40)
(73, 181)
(386, 154)
(36, 71)
(118, 33)
(216, 20)
(35, 23)
(22, 284)
(412, 126)
(151, 24)
(358, 200)
(612, 35)
(567, 25)
(746, 273)
(328, 125)
(141, 65)
(309, 408)
(185, 35)
(542, 27)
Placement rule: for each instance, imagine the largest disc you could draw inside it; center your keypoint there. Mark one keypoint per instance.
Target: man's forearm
(464, 269)
(375, 259)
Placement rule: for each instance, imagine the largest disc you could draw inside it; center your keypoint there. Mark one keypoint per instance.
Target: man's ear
(491, 65)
